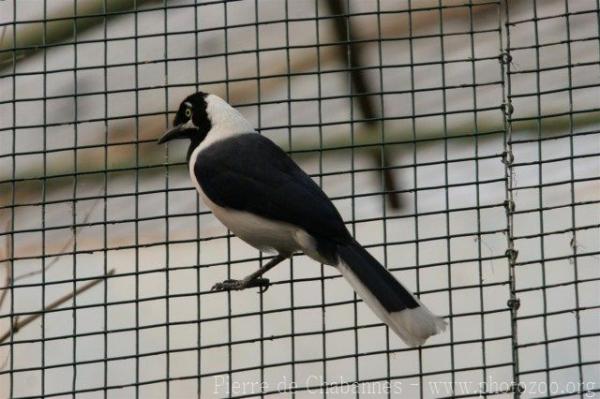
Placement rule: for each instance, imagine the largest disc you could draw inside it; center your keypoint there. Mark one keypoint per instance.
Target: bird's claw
(263, 284)
(236, 285)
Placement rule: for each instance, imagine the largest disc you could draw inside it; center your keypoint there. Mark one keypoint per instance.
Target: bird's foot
(231, 285)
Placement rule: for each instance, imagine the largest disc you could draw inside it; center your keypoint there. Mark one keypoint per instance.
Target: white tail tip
(415, 325)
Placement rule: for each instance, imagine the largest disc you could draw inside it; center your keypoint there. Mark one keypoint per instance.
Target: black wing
(250, 173)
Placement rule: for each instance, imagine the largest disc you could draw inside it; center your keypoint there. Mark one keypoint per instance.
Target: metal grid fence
(459, 140)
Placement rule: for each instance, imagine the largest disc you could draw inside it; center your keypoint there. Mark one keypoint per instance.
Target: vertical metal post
(507, 158)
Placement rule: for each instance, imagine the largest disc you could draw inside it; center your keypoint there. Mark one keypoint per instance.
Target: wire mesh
(459, 140)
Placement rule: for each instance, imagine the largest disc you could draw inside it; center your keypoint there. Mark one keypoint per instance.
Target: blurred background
(459, 139)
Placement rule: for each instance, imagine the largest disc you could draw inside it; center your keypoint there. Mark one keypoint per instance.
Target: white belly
(264, 234)
(261, 233)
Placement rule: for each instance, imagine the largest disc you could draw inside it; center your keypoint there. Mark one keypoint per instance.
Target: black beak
(178, 132)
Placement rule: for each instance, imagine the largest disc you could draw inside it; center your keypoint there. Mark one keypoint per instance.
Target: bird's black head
(191, 121)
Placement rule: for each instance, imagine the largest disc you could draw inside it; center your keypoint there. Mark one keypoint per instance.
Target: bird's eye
(188, 112)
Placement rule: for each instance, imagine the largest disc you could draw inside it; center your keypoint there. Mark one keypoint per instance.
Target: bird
(263, 197)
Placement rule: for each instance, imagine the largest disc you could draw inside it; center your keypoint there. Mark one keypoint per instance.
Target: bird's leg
(252, 280)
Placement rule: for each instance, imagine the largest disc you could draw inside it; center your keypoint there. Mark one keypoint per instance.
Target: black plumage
(389, 292)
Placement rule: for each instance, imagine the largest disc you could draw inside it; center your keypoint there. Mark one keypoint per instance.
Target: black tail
(377, 279)
(393, 303)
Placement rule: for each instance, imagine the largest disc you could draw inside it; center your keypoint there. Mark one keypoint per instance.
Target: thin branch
(64, 248)
(8, 259)
(19, 324)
